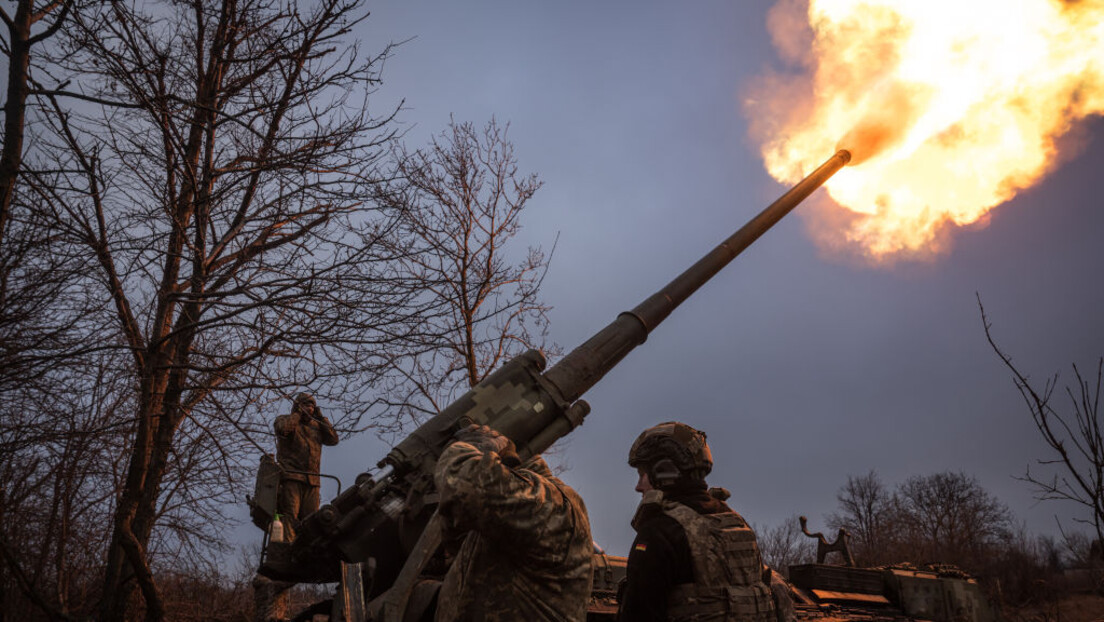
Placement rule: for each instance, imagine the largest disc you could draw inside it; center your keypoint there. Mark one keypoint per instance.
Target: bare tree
(48, 17)
(56, 451)
(232, 252)
(202, 236)
(939, 518)
(784, 545)
(462, 198)
(34, 330)
(949, 518)
(1075, 437)
(865, 510)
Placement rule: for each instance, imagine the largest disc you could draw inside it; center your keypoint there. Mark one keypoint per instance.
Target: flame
(949, 107)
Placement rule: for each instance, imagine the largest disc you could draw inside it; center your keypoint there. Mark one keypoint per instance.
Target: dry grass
(1073, 608)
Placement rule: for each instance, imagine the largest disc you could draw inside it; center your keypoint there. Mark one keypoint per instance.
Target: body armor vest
(728, 570)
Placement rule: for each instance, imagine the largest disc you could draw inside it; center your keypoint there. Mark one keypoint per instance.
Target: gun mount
(379, 518)
(841, 545)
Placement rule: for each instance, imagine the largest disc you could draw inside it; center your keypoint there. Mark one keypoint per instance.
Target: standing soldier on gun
(299, 440)
(693, 557)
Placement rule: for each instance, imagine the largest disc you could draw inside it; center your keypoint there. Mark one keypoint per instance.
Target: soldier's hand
(486, 439)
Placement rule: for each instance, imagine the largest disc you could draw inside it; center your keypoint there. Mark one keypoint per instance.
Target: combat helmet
(671, 451)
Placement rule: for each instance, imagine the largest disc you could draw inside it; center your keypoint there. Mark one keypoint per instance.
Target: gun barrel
(584, 366)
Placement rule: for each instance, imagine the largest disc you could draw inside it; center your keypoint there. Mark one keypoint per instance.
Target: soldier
(693, 557)
(527, 551)
(299, 440)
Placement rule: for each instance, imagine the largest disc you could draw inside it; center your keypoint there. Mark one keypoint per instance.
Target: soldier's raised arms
(300, 436)
(526, 551)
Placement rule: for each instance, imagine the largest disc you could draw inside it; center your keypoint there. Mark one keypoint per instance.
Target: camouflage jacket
(527, 552)
(299, 443)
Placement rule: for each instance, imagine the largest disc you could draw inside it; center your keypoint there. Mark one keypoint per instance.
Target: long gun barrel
(586, 364)
(380, 518)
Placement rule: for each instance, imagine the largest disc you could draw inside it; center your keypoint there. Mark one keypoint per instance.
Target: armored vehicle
(842, 592)
(939, 594)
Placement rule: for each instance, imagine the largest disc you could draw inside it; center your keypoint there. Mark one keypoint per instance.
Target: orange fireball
(949, 107)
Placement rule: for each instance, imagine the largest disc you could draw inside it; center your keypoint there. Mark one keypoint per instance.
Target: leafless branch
(1075, 437)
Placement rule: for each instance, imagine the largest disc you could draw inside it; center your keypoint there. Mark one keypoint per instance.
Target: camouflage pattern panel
(728, 570)
(723, 546)
(965, 600)
(928, 594)
(528, 552)
(514, 400)
(742, 603)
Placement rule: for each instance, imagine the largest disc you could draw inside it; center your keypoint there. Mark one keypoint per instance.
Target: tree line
(202, 212)
(940, 519)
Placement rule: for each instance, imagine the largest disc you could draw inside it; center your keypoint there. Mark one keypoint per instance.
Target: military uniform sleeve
(479, 492)
(658, 561)
(285, 425)
(326, 431)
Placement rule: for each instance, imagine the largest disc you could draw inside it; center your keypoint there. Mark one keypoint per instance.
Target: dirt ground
(1076, 608)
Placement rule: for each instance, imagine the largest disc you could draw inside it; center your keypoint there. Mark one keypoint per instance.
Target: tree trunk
(19, 34)
(126, 560)
(137, 511)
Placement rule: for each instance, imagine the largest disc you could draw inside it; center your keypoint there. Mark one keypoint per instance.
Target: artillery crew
(527, 552)
(693, 558)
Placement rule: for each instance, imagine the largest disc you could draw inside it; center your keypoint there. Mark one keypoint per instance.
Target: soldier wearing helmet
(693, 557)
(299, 439)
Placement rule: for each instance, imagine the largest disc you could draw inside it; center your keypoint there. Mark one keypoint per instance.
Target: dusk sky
(802, 365)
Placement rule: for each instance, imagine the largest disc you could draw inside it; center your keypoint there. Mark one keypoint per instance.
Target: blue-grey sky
(803, 368)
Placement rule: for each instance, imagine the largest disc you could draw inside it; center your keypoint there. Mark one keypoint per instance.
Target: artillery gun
(379, 537)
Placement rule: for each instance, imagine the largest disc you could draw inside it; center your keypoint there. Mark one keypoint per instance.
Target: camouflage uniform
(693, 557)
(299, 440)
(527, 553)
